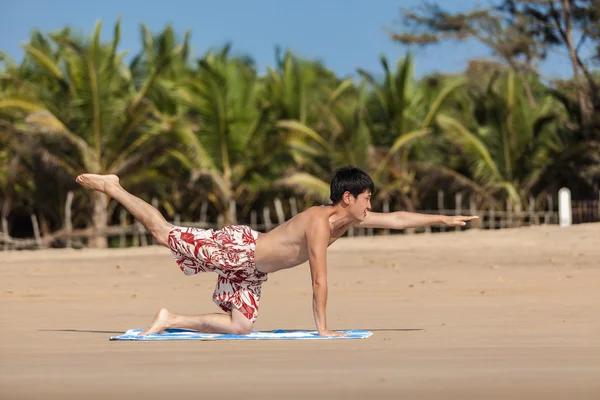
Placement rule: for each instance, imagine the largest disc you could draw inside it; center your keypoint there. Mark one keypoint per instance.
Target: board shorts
(230, 253)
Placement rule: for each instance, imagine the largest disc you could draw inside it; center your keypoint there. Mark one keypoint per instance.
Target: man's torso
(286, 246)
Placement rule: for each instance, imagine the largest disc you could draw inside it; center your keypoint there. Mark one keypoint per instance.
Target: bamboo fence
(131, 233)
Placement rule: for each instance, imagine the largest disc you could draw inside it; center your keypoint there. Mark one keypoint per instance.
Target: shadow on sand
(78, 331)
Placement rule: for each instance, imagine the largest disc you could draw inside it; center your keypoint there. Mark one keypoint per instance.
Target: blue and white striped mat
(184, 334)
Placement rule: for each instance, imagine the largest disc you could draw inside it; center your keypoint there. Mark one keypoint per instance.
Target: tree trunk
(228, 202)
(229, 211)
(581, 96)
(45, 228)
(99, 219)
(6, 205)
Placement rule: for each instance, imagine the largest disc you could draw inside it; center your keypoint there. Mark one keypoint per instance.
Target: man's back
(286, 246)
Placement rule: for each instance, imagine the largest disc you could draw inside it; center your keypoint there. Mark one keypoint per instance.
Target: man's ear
(346, 197)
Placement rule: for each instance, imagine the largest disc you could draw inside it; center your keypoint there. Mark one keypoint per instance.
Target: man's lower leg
(208, 323)
(147, 215)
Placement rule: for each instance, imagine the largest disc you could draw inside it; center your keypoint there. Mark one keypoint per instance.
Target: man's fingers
(460, 220)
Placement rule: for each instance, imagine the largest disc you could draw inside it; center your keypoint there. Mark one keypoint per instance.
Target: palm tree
(91, 112)
(356, 125)
(342, 138)
(576, 156)
(508, 142)
(296, 88)
(227, 139)
(30, 180)
(400, 110)
(16, 184)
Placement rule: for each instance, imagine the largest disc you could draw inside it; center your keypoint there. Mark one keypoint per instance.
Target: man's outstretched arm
(317, 238)
(404, 220)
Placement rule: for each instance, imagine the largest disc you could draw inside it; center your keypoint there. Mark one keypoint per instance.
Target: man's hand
(458, 220)
(327, 332)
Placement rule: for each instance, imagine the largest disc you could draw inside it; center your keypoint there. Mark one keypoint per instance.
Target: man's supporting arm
(404, 220)
(317, 240)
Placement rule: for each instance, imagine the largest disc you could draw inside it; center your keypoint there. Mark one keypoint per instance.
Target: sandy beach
(508, 314)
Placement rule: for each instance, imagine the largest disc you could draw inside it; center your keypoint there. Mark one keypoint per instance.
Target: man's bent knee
(243, 329)
(161, 234)
(241, 324)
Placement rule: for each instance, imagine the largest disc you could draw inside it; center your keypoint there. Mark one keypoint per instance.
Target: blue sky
(344, 34)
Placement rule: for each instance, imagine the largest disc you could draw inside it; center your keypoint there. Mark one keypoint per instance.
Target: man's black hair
(349, 179)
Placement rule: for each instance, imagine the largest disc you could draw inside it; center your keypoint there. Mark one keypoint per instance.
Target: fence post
(458, 204)
(492, 221)
(534, 217)
(5, 232)
(267, 219)
(253, 223)
(141, 231)
(203, 212)
(36, 230)
(135, 238)
(293, 206)
(386, 209)
(279, 211)
(123, 221)
(233, 211)
(564, 207)
(440, 201)
(351, 231)
(68, 223)
(473, 211)
(155, 205)
(550, 204)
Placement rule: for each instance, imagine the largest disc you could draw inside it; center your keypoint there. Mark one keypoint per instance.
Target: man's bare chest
(337, 233)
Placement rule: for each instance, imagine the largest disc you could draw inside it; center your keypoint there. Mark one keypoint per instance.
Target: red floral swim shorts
(230, 253)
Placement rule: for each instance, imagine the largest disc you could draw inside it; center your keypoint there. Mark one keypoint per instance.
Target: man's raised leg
(148, 216)
(236, 324)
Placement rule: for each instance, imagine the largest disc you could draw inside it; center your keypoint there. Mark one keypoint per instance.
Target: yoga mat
(185, 334)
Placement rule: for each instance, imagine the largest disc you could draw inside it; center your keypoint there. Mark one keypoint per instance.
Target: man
(243, 258)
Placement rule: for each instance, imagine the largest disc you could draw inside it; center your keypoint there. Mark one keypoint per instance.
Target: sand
(462, 315)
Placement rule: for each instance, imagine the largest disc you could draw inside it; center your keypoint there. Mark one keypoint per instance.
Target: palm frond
(436, 105)
(301, 128)
(125, 157)
(340, 90)
(460, 179)
(458, 132)
(306, 184)
(44, 61)
(400, 142)
(25, 105)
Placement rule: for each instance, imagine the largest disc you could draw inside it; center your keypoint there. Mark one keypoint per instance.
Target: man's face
(360, 205)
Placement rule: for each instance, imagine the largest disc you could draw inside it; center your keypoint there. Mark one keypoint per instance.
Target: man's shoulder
(315, 216)
(316, 213)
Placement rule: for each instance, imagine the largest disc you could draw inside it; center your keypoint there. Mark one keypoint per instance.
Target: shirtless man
(243, 258)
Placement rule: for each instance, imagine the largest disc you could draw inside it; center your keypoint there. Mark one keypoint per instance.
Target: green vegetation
(215, 131)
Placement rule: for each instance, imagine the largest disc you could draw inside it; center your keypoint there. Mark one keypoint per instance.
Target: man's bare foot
(161, 322)
(97, 182)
